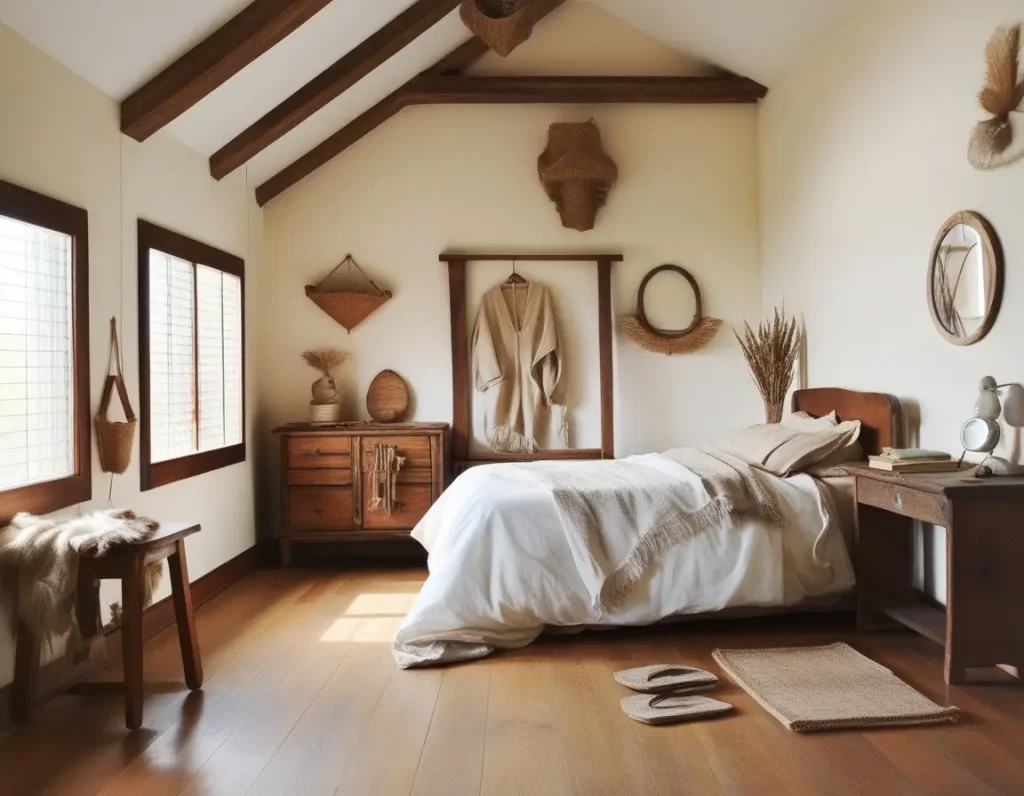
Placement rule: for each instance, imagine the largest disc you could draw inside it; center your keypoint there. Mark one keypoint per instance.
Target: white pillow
(802, 421)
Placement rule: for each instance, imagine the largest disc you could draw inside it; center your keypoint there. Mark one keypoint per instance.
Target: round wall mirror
(965, 278)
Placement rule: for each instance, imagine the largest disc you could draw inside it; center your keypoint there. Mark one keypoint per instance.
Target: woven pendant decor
(501, 24)
(348, 307)
(661, 341)
(576, 173)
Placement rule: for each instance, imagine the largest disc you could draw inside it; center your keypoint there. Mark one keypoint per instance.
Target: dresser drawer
(416, 451)
(911, 503)
(319, 508)
(323, 477)
(414, 501)
(314, 453)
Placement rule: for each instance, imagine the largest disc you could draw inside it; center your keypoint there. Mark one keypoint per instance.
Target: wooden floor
(302, 697)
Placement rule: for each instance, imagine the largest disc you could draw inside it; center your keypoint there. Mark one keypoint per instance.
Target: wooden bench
(126, 563)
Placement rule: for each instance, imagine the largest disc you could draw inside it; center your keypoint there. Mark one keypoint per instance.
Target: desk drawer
(911, 503)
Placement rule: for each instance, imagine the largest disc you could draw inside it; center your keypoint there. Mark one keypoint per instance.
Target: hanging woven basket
(501, 24)
(115, 439)
(576, 173)
(348, 307)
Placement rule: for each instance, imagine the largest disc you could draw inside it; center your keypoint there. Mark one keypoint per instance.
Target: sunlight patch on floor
(363, 630)
(389, 604)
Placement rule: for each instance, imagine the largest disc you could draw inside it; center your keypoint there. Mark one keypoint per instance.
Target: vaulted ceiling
(121, 45)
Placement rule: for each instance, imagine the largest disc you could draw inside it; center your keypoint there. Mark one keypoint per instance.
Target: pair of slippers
(668, 694)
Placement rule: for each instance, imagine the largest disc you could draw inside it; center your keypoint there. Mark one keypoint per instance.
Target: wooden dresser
(327, 480)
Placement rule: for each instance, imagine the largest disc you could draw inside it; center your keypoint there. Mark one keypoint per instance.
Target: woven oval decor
(665, 341)
(387, 400)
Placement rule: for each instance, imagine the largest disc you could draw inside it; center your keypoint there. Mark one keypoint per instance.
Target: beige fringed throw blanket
(39, 559)
(618, 516)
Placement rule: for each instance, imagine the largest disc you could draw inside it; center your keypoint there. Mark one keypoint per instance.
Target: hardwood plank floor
(302, 696)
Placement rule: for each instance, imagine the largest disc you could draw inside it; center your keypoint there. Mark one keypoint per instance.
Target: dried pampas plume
(771, 353)
(992, 142)
(324, 360)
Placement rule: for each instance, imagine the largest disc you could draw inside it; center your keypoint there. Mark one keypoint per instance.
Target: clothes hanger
(514, 278)
(511, 283)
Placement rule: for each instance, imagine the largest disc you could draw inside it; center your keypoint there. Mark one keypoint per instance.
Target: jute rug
(829, 688)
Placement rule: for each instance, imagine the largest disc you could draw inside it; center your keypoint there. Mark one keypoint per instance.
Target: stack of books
(913, 460)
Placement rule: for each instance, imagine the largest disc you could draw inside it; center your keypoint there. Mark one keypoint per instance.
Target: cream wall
(863, 156)
(60, 136)
(448, 178)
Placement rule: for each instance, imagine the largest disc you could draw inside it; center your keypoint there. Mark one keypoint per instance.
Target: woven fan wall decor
(683, 341)
(576, 173)
(501, 24)
(348, 307)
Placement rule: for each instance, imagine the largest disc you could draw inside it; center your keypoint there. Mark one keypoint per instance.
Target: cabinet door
(413, 500)
(319, 508)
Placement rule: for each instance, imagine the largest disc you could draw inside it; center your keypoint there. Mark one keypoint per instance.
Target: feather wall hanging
(999, 141)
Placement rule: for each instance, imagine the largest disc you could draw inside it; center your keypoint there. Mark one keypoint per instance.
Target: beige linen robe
(516, 351)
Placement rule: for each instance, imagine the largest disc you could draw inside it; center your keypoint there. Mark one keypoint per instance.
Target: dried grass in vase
(324, 360)
(771, 353)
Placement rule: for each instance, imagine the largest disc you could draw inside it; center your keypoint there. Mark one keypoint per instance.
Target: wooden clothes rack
(460, 358)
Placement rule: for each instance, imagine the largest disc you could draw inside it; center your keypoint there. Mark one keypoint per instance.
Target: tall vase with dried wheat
(771, 353)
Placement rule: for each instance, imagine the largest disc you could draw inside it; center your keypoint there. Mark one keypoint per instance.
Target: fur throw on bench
(39, 559)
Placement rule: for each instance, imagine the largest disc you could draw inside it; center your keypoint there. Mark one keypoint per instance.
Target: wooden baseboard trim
(59, 675)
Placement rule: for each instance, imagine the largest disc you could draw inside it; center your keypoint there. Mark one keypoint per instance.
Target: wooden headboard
(880, 414)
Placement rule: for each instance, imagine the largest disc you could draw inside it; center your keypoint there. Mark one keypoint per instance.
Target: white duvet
(501, 569)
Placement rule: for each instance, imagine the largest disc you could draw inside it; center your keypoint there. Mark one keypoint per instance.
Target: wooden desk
(983, 624)
(125, 562)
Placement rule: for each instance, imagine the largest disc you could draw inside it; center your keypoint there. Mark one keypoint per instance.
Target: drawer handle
(897, 500)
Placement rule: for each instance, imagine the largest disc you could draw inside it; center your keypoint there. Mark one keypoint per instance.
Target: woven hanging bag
(576, 173)
(501, 24)
(115, 439)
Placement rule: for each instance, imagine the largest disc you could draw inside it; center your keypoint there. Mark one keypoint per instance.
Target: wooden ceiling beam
(232, 47)
(462, 57)
(330, 84)
(458, 90)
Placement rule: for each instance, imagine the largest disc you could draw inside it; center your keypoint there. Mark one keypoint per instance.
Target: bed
(505, 566)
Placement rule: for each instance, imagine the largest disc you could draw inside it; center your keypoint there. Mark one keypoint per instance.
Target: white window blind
(37, 368)
(195, 320)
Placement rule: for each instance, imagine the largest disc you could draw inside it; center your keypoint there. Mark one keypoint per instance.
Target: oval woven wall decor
(387, 400)
(669, 341)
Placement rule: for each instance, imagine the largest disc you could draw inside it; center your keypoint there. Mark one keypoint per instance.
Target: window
(191, 353)
(45, 454)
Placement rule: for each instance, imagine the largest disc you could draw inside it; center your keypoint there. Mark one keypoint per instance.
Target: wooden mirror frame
(641, 314)
(993, 252)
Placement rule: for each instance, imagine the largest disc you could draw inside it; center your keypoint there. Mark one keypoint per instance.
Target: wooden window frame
(157, 474)
(42, 211)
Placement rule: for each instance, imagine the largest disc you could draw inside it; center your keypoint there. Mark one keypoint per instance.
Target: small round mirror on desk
(965, 278)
